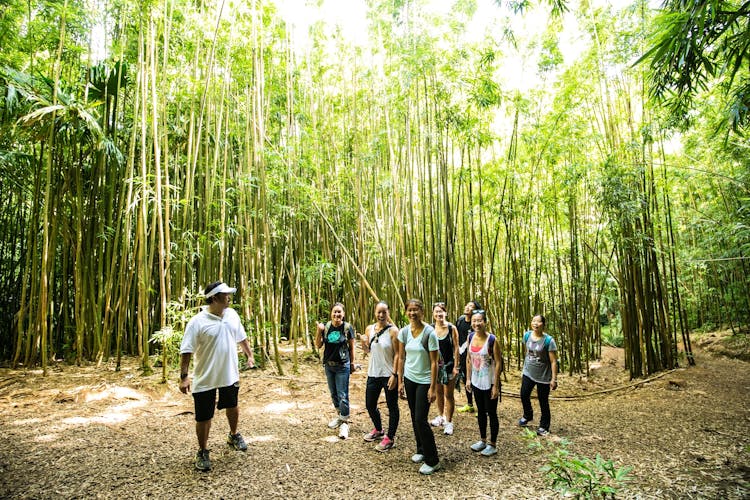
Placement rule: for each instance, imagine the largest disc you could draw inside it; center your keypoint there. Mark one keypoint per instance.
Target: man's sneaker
(488, 450)
(437, 421)
(542, 432)
(448, 429)
(478, 446)
(523, 422)
(202, 462)
(236, 442)
(334, 424)
(429, 469)
(344, 430)
(385, 445)
(373, 435)
(466, 409)
(417, 458)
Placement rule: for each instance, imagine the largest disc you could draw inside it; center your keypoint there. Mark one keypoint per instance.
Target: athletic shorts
(206, 401)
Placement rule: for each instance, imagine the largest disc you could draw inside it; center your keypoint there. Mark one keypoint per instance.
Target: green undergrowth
(577, 476)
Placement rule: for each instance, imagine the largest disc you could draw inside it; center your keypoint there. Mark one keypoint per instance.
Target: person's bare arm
(184, 367)
(248, 350)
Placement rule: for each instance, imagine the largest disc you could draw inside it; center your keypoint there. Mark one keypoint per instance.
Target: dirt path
(93, 433)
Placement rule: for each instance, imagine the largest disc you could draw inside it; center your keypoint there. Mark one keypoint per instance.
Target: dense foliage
(147, 149)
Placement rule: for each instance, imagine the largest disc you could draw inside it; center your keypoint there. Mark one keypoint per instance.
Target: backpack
(442, 376)
(547, 340)
(490, 348)
(343, 340)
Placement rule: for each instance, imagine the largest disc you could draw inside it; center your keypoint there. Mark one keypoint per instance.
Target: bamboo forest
(583, 160)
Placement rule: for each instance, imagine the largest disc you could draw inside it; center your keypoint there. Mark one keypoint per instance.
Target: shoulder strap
(547, 340)
(491, 346)
(381, 332)
(526, 336)
(327, 328)
(425, 341)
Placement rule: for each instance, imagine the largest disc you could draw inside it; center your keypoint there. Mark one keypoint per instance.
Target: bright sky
(350, 16)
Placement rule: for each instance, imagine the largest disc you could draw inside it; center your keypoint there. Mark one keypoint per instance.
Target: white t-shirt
(213, 340)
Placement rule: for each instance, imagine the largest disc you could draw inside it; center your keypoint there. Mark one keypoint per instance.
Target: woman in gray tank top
(540, 370)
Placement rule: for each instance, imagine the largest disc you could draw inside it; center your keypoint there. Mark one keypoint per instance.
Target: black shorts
(206, 400)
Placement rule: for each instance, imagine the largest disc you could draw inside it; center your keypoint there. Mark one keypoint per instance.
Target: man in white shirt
(212, 335)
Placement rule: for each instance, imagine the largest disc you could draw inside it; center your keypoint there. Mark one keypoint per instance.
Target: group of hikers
(420, 362)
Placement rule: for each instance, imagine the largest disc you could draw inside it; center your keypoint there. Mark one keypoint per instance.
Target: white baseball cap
(220, 288)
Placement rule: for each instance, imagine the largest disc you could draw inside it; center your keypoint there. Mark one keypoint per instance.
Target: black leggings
(486, 407)
(419, 407)
(372, 393)
(542, 393)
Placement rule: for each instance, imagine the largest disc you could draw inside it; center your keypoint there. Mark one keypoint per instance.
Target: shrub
(577, 476)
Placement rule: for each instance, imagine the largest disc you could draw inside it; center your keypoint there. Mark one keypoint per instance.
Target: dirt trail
(94, 433)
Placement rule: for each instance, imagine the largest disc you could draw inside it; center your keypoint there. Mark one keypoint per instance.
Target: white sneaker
(478, 446)
(488, 451)
(417, 458)
(427, 470)
(344, 430)
(437, 421)
(448, 429)
(333, 424)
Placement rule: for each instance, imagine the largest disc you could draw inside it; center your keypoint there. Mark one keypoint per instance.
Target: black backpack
(343, 341)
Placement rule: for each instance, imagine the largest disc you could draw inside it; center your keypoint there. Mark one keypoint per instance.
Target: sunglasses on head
(478, 311)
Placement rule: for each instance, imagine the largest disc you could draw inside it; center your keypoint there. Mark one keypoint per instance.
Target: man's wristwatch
(183, 376)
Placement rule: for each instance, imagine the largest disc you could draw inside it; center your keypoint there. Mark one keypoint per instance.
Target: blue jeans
(338, 386)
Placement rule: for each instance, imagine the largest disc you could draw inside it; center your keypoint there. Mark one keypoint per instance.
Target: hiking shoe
(334, 424)
(542, 432)
(488, 450)
(344, 430)
(466, 409)
(417, 458)
(236, 442)
(385, 445)
(202, 462)
(429, 469)
(373, 435)
(523, 422)
(448, 429)
(437, 421)
(478, 446)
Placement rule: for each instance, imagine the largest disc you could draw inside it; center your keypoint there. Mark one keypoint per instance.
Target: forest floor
(91, 432)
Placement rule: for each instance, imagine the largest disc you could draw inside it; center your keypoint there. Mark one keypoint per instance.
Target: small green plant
(576, 476)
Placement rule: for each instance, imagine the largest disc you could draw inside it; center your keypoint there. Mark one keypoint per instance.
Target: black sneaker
(202, 462)
(236, 442)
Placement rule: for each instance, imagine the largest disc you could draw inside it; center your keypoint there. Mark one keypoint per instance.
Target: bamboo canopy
(208, 145)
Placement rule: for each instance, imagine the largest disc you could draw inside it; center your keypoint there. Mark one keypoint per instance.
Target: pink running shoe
(385, 445)
(373, 435)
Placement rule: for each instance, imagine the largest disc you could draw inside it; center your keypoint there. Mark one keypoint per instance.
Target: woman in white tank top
(380, 340)
(484, 364)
